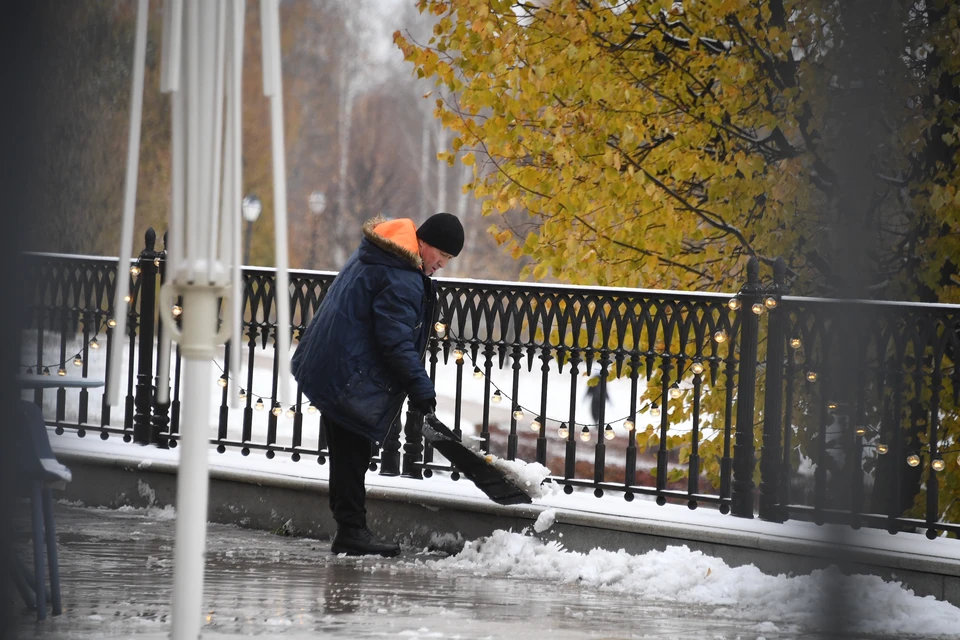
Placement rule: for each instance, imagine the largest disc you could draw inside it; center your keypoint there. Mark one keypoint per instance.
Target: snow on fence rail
(653, 393)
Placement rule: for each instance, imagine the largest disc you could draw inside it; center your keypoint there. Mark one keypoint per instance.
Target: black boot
(355, 541)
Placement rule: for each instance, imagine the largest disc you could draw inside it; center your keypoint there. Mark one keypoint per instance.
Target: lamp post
(317, 201)
(251, 208)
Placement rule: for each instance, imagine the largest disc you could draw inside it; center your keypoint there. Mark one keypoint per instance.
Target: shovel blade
(488, 478)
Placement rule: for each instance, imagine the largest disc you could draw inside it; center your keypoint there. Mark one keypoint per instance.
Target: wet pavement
(117, 571)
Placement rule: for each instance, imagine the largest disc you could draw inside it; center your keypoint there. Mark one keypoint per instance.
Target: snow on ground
(679, 575)
(674, 575)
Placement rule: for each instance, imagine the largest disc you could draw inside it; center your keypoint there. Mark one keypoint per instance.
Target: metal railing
(862, 387)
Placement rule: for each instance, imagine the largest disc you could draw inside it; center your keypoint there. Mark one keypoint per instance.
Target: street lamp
(317, 201)
(251, 208)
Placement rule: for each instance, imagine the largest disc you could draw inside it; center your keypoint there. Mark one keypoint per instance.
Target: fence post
(413, 446)
(143, 398)
(390, 451)
(770, 453)
(741, 500)
(160, 423)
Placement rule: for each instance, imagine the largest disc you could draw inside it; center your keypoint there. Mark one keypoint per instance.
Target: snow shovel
(472, 464)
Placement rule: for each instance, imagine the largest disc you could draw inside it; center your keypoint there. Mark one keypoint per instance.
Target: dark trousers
(350, 455)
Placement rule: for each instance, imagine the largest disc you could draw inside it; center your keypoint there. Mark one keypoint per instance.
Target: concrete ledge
(418, 518)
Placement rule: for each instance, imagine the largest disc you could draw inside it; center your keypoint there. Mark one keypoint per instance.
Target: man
(361, 355)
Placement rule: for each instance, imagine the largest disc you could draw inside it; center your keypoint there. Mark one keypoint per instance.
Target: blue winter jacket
(361, 354)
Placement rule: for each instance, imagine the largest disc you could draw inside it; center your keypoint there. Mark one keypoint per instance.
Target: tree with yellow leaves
(661, 144)
(658, 143)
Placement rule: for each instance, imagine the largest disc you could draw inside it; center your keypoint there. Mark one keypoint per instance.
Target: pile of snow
(167, 512)
(678, 575)
(545, 520)
(529, 476)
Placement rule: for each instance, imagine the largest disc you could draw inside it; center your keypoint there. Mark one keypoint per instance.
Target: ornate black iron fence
(862, 388)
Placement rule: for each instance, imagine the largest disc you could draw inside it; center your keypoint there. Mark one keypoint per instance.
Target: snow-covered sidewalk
(676, 575)
(902, 550)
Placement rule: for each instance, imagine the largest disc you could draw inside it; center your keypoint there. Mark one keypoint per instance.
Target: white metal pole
(215, 271)
(129, 201)
(192, 121)
(235, 102)
(280, 196)
(197, 344)
(172, 37)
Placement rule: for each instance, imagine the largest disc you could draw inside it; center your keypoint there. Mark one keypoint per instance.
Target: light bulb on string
(458, 355)
(277, 409)
(795, 343)
(770, 302)
(609, 433)
(111, 323)
(518, 414)
(938, 464)
(913, 460)
(697, 367)
(733, 303)
(811, 376)
(78, 361)
(831, 405)
(675, 391)
(29, 371)
(46, 371)
(861, 431)
(243, 394)
(440, 328)
(629, 425)
(222, 381)
(128, 298)
(563, 431)
(61, 371)
(757, 308)
(497, 397)
(477, 373)
(134, 271)
(156, 262)
(291, 412)
(655, 410)
(176, 310)
(94, 344)
(585, 434)
(535, 424)
(259, 405)
(311, 408)
(720, 336)
(882, 449)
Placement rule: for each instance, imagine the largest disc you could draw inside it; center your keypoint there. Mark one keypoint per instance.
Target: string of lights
(77, 358)
(628, 421)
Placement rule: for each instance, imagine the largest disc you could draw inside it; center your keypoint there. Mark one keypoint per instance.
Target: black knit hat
(443, 231)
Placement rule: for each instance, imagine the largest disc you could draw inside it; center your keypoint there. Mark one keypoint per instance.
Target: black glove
(424, 406)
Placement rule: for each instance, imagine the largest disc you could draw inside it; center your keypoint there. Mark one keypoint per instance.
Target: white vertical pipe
(224, 249)
(192, 121)
(207, 64)
(170, 83)
(178, 148)
(266, 33)
(193, 480)
(129, 200)
(280, 200)
(172, 38)
(239, 9)
(215, 273)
